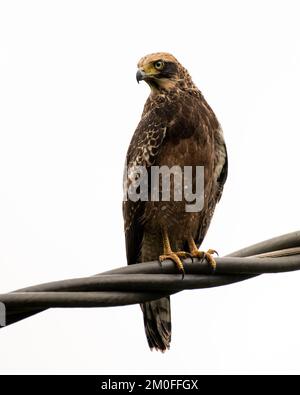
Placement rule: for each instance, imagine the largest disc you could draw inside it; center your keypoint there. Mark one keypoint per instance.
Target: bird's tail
(157, 321)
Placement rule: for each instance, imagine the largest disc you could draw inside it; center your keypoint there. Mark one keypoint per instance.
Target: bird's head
(163, 72)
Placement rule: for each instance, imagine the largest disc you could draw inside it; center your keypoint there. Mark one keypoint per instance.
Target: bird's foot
(208, 255)
(175, 257)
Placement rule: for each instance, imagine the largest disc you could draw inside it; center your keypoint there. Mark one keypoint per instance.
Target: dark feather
(157, 321)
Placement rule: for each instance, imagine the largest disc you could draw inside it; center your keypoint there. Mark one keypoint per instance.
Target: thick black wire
(148, 281)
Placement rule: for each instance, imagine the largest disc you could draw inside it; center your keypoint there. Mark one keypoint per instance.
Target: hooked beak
(140, 75)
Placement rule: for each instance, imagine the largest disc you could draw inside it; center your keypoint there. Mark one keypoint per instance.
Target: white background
(69, 104)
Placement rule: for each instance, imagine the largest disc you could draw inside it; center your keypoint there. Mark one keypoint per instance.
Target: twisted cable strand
(151, 280)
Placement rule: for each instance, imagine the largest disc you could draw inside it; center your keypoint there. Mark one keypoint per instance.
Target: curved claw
(174, 256)
(202, 255)
(211, 252)
(211, 261)
(182, 274)
(203, 258)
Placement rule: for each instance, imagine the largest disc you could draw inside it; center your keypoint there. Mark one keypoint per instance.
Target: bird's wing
(143, 151)
(221, 171)
(223, 176)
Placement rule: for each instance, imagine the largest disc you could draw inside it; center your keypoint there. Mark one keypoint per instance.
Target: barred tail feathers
(157, 321)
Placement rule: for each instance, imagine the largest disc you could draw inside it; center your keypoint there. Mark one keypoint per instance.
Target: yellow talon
(208, 255)
(175, 258)
(210, 259)
(169, 254)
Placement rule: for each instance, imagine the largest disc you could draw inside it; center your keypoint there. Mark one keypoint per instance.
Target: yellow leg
(169, 254)
(202, 254)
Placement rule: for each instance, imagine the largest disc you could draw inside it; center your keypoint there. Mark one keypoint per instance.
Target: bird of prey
(179, 128)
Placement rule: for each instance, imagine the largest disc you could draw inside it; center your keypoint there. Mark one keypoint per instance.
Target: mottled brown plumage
(177, 128)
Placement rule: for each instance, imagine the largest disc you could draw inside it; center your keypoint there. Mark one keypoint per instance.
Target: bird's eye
(159, 65)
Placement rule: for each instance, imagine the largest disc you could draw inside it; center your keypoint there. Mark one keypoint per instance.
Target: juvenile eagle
(179, 128)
